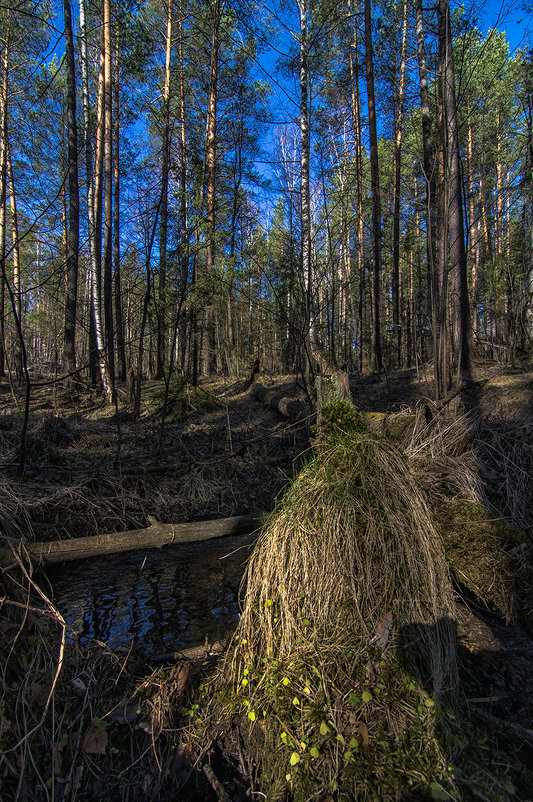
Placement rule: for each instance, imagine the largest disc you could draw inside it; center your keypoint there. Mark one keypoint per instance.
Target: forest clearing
(83, 719)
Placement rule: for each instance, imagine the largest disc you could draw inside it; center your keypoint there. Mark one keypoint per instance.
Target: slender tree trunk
(430, 176)
(457, 249)
(3, 194)
(163, 226)
(108, 193)
(211, 155)
(474, 231)
(17, 281)
(93, 190)
(360, 214)
(377, 360)
(119, 318)
(396, 319)
(71, 290)
(305, 196)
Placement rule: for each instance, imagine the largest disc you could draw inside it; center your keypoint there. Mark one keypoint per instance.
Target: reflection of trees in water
(167, 599)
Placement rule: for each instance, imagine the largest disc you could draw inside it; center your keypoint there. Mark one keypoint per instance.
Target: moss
(339, 418)
(482, 553)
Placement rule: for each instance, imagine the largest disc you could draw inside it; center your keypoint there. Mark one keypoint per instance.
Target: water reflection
(167, 599)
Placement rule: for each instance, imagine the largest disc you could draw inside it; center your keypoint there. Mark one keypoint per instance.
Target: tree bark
(163, 225)
(94, 203)
(396, 319)
(211, 155)
(119, 319)
(377, 359)
(430, 174)
(154, 536)
(108, 195)
(71, 289)
(305, 197)
(3, 192)
(457, 249)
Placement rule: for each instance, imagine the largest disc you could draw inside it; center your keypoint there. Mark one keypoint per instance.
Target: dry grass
(347, 600)
(352, 542)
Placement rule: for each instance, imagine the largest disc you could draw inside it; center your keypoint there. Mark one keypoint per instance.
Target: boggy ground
(220, 453)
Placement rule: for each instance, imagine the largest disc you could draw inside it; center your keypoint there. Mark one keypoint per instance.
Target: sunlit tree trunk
(457, 249)
(119, 321)
(377, 360)
(305, 196)
(17, 279)
(430, 174)
(71, 290)
(108, 193)
(473, 231)
(3, 196)
(360, 213)
(93, 190)
(211, 155)
(396, 319)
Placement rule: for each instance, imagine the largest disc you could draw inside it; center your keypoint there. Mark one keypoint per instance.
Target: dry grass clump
(347, 600)
(352, 542)
(478, 476)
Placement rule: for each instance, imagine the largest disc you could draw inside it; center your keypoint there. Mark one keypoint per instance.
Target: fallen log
(292, 408)
(154, 536)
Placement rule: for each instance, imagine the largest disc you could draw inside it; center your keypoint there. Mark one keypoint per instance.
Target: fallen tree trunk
(154, 536)
(292, 408)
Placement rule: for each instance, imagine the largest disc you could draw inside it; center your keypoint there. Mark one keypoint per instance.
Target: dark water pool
(167, 599)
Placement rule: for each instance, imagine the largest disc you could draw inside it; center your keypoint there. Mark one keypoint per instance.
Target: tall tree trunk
(396, 320)
(377, 359)
(474, 231)
(71, 290)
(430, 175)
(360, 214)
(3, 193)
(457, 249)
(17, 279)
(163, 225)
(119, 320)
(305, 196)
(211, 155)
(93, 190)
(108, 193)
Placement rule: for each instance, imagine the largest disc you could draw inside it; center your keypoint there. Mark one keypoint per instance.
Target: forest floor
(92, 468)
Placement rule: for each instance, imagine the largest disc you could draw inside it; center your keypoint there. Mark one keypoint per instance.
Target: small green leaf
(367, 697)
(64, 739)
(314, 752)
(306, 622)
(268, 603)
(429, 702)
(296, 701)
(324, 729)
(354, 699)
(285, 738)
(295, 758)
(251, 715)
(244, 682)
(354, 743)
(340, 738)
(438, 793)
(286, 681)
